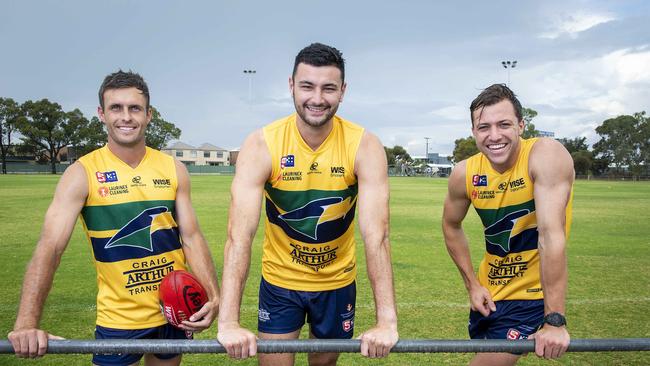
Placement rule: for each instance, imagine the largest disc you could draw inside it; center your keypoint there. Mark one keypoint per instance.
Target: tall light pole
(250, 74)
(509, 65)
(427, 149)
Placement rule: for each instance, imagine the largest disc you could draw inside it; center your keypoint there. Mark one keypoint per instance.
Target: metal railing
(329, 345)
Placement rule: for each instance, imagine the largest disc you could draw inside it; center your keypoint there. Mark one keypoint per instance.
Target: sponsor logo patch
(289, 176)
(314, 257)
(313, 169)
(263, 315)
(479, 180)
(517, 184)
(137, 182)
(504, 270)
(513, 334)
(288, 161)
(337, 171)
(115, 190)
(103, 191)
(106, 177)
(147, 274)
(162, 183)
(348, 324)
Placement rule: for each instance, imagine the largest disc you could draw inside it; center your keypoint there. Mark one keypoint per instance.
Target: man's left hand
(551, 342)
(378, 341)
(202, 319)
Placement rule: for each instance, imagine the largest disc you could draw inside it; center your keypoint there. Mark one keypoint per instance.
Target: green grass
(609, 257)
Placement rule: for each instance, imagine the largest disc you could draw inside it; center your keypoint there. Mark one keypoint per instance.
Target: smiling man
(522, 192)
(313, 169)
(135, 205)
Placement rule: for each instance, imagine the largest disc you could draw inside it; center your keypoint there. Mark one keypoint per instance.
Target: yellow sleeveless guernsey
(129, 220)
(505, 204)
(310, 198)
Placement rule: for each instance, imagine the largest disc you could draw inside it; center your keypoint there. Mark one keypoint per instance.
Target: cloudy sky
(412, 67)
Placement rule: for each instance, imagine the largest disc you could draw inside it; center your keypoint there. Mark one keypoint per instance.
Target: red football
(181, 295)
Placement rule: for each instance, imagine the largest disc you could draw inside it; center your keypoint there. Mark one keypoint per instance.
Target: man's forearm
(235, 273)
(554, 272)
(36, 286)
(458, 250)
(380, 273)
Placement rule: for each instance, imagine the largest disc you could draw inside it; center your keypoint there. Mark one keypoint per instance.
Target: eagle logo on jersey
(501, 232)
(137, 232)
(306, 220)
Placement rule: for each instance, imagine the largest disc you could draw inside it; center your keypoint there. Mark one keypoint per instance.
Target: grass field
(609, 261)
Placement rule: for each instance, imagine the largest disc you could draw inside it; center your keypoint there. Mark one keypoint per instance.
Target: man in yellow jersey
(135, 205)
(522, 192)
(313, 169)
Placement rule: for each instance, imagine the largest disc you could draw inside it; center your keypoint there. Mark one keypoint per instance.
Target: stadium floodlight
(509, 65)
(426, 154)
(250, 74)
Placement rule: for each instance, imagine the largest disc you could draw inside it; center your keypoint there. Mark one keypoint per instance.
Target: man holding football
(136, 209)
(522, 191)
(313, 169)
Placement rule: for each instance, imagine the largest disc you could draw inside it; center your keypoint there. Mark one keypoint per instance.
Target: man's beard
(302, 112)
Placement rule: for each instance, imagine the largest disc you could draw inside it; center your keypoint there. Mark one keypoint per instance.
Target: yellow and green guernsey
(506, 206)
(310, 200)
(129, 218)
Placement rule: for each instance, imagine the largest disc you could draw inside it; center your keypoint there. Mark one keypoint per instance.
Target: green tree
(583, 159)
(575, 144)
(160, 132)
(46, 127)
(529, 127)
(464, 148)
(401, 154)
(644, 139)
(390, 157)
(620, 143)
(10, 113)
(93, 136)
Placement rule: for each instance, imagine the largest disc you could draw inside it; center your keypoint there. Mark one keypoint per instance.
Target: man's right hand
(30, 342)
(481, 301)
(239, 342)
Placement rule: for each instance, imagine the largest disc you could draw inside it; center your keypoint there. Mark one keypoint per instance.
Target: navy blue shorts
(165, 331)
(329, 313)
(513, 319)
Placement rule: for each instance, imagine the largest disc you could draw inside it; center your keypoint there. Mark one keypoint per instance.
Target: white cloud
(579, 94)
(575, 23)
(452, 112)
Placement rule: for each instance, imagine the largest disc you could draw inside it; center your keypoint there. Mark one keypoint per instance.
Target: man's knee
(323, 359)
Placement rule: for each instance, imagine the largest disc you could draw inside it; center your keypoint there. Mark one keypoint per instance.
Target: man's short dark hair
(493, 95)
(121, 80)
(318, 54)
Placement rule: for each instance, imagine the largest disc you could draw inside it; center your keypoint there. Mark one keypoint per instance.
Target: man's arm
(551, 169)
(371, 170)
(253, 169)
(455, 210)
(60, 219)
(196, 252)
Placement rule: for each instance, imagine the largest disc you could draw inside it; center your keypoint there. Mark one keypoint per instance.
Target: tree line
(42, 129)
(623, 148)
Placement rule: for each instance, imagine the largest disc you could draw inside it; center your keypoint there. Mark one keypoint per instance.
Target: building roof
(179, 145)
(209, 147)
